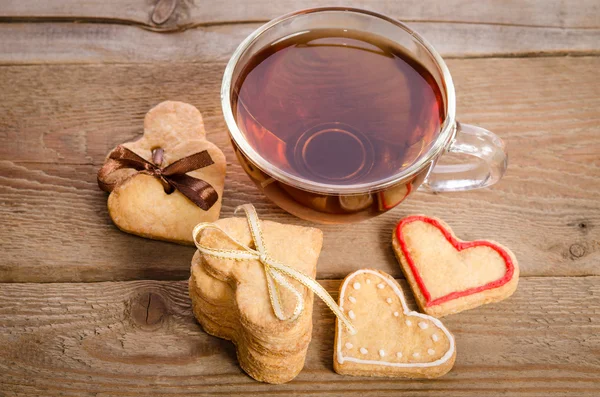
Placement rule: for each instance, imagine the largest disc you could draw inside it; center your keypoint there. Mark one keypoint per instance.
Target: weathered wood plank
(32, 43)
(110, 31)
(46, 116)
(140, 338)
(547, 13)
(56, 228)
(546, 209)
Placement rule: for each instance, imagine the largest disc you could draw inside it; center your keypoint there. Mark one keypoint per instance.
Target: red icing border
(459, 245)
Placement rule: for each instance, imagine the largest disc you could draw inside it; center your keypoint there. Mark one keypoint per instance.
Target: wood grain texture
(44, 42)
(126, 31)
(140, 338)
(78, 77)
(581, 14)
(54, 136)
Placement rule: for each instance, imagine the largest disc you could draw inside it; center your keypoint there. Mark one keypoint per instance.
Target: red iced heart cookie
(448, 275)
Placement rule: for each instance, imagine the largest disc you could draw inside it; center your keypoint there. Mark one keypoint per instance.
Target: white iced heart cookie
(390, 340)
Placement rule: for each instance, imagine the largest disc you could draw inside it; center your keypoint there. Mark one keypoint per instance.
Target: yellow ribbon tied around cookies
(277, 274)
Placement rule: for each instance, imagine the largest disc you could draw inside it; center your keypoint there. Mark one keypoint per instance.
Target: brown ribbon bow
(172, 176)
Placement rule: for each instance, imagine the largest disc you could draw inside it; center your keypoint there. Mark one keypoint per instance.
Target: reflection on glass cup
(362, 182)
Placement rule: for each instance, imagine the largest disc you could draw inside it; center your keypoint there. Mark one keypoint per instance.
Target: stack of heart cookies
(231, 300)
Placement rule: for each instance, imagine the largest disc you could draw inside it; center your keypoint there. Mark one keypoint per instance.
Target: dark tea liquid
(337, 107)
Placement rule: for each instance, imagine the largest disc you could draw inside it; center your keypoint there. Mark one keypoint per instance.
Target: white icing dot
(423, 325)
(399, 354)
(408, 322)
(349, 345)
(381, 353)
(396, 314)
(368, 281)
(352, 299)
(416, 355)
(435, 337)
(389, 300)
(380, 285)
(363, 350)
(351, 314)
(431, 352)
(356, 285)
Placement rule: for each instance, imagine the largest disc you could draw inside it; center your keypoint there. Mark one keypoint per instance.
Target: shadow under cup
(347, 198)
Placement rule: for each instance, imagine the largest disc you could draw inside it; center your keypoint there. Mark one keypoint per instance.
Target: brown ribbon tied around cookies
(172, 176)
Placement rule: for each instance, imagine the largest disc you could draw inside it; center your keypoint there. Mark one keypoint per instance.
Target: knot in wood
(148, 309)
(577, 250)
(163, 11)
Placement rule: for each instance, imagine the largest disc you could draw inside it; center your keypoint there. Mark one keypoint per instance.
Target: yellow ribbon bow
(275, 272)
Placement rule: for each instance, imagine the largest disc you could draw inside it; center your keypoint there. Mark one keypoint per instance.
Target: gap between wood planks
(544, 55)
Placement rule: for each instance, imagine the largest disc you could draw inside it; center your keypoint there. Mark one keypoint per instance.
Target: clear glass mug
(474, 157)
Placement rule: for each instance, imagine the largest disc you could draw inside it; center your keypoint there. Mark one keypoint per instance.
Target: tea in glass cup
(339, 114)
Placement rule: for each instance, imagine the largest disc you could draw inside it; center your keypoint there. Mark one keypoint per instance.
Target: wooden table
(88, 310)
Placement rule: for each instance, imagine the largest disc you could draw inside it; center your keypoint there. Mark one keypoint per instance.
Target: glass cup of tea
(338, 114)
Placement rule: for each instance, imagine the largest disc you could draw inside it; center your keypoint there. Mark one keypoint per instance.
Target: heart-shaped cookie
(448, 275)
(139, 203)
(390, 340)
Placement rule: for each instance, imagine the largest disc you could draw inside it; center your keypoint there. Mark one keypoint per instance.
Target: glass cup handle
(477, 158)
